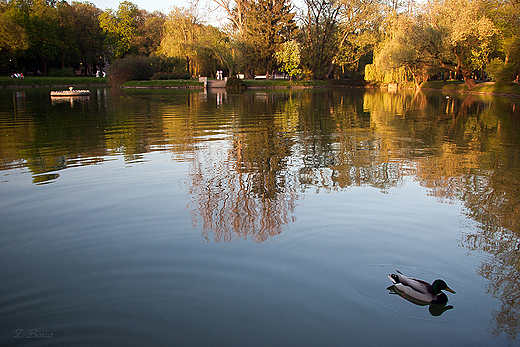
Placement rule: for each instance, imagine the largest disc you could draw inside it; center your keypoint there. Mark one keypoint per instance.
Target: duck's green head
(440, 285)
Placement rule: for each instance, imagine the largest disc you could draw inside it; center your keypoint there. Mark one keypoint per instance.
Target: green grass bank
(42, 81)
(176, 84)
(283, 83)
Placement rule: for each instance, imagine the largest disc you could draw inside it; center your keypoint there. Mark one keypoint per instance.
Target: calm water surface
(163, 218)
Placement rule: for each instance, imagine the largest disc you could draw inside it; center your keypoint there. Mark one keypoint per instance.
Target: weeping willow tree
(455, 35)
(205, 48)
(181, 30)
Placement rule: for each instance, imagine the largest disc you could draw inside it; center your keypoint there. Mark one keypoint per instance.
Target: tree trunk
(417, 85)
(331, 69)
(470, 82)
(249, 74)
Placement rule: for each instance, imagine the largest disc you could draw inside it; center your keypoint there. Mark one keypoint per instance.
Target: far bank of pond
(452, 86)
(485, 88)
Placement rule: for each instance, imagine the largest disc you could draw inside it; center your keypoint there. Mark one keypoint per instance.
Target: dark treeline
(39, 37)
(61, 38)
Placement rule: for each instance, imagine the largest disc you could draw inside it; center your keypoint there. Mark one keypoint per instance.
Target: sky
(148, 5)
(165, 5)
(208, 11)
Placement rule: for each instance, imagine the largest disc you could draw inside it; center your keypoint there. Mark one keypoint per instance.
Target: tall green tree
(50, 34)
(269, 23)
(122, 29)
(152, 32)
(40, 21)
(506, 17)
(12, 36)
(80, 36)
(319, 32)
(289, 58)
(90, 34)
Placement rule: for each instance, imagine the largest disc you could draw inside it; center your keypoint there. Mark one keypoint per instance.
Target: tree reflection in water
(460, 149)
(476, 161)
(492, 199)
(240, 194)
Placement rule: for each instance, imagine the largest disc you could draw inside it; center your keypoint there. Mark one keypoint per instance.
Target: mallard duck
(421, 290)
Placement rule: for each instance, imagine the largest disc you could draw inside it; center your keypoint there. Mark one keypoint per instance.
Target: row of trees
(38, 35)
(41, 35)
(325, 39)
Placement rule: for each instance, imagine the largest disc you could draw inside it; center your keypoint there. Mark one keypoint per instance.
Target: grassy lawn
(248, 83)
(164, 83)
(51, 81)
(486, 87)
(283, 83)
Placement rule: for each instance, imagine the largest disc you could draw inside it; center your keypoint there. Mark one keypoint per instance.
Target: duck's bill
(450, 290)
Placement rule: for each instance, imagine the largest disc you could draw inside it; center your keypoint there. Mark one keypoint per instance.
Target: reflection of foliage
(234, 199)
(465, 154)
(492, 199)
(239, 188)
(340, 148)
(46, 139)
(476, 164)
(49, 142)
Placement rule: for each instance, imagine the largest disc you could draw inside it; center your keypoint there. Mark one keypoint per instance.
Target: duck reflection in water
(421, 292)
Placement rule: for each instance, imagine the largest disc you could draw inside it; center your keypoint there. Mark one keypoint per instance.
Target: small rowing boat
(70, 92)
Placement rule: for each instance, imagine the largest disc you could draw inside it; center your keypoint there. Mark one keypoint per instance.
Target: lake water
(267, 218)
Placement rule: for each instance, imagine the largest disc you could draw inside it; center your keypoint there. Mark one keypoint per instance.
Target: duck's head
(440, 285)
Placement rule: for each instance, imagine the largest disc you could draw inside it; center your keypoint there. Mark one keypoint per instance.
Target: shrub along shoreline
(486, 88)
